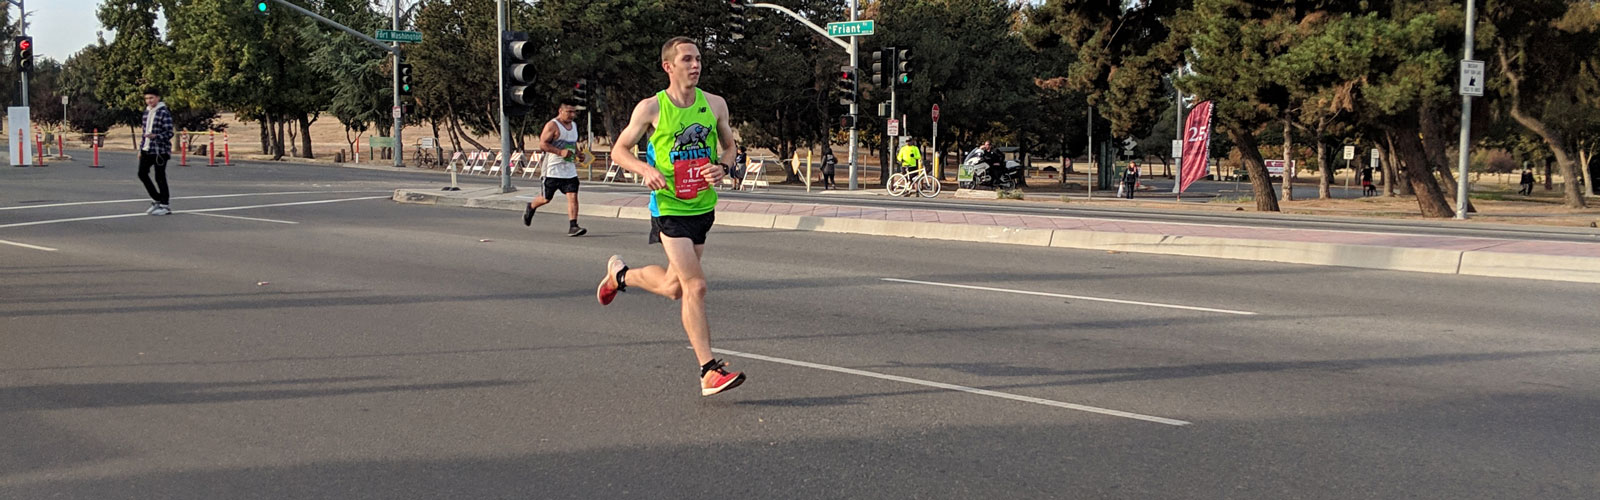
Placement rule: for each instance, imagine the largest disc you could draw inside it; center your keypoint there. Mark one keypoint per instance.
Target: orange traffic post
(22, 152)
(61, 145)
(211, 151)
(38, 148)
(227, 160)
(94, 139)
(183, 147)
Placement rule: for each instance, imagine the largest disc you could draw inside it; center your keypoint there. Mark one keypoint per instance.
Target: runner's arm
(547, 139)
(727, 139)
(644, 117)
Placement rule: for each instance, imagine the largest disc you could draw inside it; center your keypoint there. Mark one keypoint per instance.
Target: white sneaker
(152, 209)
(161, 210)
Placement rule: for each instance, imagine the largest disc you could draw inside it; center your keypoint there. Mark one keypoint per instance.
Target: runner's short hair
(567, 102)
(669, 51)
(152, 91)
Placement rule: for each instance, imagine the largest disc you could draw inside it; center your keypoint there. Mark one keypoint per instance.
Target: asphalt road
(322, 345)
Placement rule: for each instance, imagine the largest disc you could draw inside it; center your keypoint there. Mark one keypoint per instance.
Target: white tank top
(562, 167)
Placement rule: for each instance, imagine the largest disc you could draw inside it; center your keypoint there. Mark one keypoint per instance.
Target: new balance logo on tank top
(684, 143)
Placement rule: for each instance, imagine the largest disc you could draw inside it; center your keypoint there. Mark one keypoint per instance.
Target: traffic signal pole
(23, 22)
(505, 122)
(399, 111)
(399, 153)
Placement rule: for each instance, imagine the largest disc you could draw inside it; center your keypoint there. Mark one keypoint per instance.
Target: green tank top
(685, 141)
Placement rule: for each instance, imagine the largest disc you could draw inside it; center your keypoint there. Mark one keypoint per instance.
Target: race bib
(687, 179)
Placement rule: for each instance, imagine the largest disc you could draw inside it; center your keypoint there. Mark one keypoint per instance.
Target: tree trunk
(266, 136)
(1393, 182)
(1250, 154)
(277, 142)
(305, 136)
(1436, 142)
(1585, 154)
(1288, 159)
(1430, 199)
(456, 125)
(1324, 171)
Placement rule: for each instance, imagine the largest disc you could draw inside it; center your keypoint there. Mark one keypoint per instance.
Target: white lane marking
(1078, 297)
(74, 219)
(25, 245)
(290, 204)
(283, 193)
(223, 209)
(960, 388)
(240, 218)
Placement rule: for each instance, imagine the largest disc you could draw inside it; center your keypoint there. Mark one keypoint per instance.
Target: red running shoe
(721, 380)
(608, 285)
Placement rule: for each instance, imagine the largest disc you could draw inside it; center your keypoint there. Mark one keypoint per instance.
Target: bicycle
(915, 181)
(424, 157)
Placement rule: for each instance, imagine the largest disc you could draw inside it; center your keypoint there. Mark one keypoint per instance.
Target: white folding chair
(483, 162)
(499, 162)
(533, 165)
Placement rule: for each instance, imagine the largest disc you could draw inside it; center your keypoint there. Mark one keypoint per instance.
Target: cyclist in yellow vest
(910, 158)
(689, 134)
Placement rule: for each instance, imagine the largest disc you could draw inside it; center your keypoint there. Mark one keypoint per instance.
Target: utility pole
(1466, 119)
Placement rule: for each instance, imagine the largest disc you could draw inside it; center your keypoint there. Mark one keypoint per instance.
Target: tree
(137, 58)
(1546, 51)
(359, 84)
(1232, 46)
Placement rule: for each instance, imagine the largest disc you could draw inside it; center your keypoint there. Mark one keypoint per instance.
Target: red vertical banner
(1196, 144)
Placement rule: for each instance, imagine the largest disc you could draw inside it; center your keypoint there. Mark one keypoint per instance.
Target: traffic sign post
(1472, 78)
(938, 163)
(1349, 153)
(894, 128)
(852, 28)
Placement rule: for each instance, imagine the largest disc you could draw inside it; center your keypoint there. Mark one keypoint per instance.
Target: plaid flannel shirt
(161, 144)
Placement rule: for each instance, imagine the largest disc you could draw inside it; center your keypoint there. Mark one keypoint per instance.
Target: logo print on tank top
(689, 155)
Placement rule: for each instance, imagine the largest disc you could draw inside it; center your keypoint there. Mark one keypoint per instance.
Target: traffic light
(736, 19)
(261, 6)
(405, 79)
(902, 67)
(518, 73)
(580, 94)
(847, 122)
(22, 53)
(880, 67)
(848, 85)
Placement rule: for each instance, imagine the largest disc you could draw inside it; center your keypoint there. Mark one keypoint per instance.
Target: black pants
(827, 180)
(158, 190)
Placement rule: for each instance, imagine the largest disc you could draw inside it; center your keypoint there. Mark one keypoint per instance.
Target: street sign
(398, 36)
(936, 113)
(852, 28)
(1472, 78)
(396, 112)
(894, 128)
(1375, 158)
(1349, 153)
(1177, 148)
(63, 100)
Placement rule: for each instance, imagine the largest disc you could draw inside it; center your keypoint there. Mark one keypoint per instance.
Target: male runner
(559, 141)
(689, 132)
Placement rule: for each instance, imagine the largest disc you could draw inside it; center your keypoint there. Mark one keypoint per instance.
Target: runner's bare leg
(683, 280)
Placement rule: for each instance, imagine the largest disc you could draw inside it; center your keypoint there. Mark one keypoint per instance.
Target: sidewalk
(1547, 260)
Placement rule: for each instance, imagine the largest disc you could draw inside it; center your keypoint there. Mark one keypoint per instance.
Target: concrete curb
(1423, 260)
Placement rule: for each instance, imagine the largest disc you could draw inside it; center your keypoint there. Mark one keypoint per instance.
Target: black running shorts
(551, 185)
(693, 227)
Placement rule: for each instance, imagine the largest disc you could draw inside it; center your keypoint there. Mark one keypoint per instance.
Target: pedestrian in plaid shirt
(155, 148)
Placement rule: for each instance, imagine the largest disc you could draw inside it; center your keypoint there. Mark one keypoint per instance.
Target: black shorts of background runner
(552, 184)
(693, 227)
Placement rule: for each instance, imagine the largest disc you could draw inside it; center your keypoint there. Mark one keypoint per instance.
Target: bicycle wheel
(928, 187)
(897, 185)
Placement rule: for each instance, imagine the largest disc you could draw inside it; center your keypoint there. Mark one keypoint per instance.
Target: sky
(61, 27)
